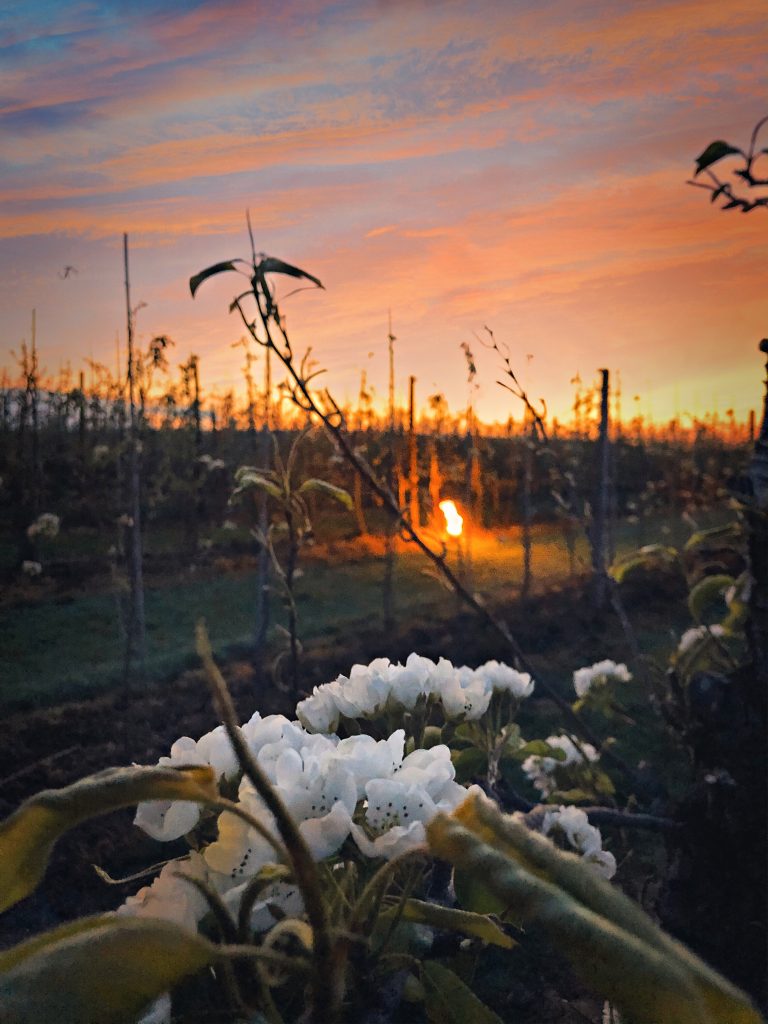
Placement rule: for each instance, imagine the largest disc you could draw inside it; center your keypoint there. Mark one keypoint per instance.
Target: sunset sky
(515, 163)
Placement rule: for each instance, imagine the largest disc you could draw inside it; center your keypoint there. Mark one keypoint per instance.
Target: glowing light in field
(454, 523)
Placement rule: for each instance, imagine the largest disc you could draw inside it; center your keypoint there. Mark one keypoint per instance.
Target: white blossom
(502, 678)
(573, 824)
(696, 634)
(318, 789)
(601, 672)
(319, 712)
(370, 690)
(603, 862)
(170, 897)
(463, 693)
(397, 809)
(284, 896)
(366, 759)
(366, 692)
(541, 769)
(46, 525)
(167, 820)
(170, 819)
(31, 569)
(411, 681)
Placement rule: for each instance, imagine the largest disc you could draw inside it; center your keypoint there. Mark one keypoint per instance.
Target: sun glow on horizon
(454, 523)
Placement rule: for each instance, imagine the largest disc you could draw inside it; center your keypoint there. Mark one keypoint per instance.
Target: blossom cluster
(600, 673)
(30, 568)
(382, 687)
(572, 823)
(335, 789)
(541, 768)
(371, 797)
(46, 525)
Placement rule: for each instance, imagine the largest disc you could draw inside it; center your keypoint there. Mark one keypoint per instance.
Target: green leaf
(512, 738)
(611, 942)
(651, 557)
(337, 493)
(217, 268)
(476, 897)
(603, 784)
(469, 763)
(570, 796)
(720, 536)
(738, 606)
(257, 481)
(433, 736)
(29, 834)
(539, 748)
(715, 151)
(479, 925)
(449, 1001)
(102, 970)
(708, 591)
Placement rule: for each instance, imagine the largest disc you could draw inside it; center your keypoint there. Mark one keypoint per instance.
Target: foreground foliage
(315, 893)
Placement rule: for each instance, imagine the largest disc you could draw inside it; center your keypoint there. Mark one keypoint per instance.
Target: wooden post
(413, 457)
(389, 556)
(600, 512)
(33, 405)
(136, 643)
(757, 525)
(261, 623)
(195, 504)
(435, 483)
(526, 509)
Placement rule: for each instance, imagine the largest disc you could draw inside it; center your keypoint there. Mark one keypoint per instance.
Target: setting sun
(454, 523)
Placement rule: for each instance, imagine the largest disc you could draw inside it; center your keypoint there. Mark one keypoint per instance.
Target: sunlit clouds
(517, 165)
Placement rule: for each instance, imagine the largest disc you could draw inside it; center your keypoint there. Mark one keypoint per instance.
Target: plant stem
(327, 984)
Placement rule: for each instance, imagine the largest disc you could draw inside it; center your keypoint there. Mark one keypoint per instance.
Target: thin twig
(306, 401)
(607, 816)
(326, 983)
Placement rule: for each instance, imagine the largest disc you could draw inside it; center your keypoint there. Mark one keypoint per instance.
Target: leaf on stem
(323, 487)
(272, 265)
(708, 592)
(448, 1000)
(610, 941)
(249, 481)
(29, 834)
(217, 268)
(52, 976)
(715, 151)
(481, 926)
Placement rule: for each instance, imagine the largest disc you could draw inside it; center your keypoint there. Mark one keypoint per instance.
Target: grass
(67, 646)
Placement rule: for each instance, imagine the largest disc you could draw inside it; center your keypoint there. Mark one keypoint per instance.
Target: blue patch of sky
(51, 117)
